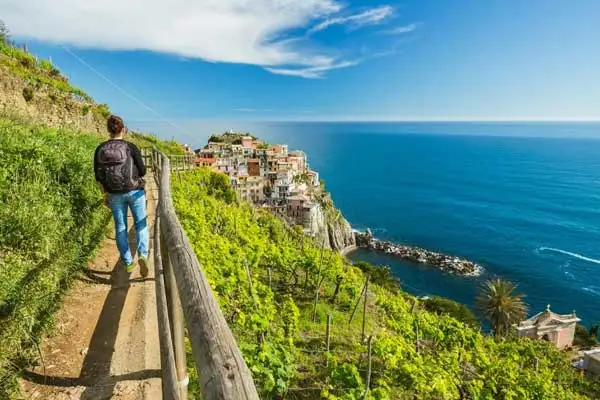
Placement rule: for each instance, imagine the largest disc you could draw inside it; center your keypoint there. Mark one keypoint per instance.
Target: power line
(126, 93)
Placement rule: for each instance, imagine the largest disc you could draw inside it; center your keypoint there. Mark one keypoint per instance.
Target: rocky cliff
(331, 228)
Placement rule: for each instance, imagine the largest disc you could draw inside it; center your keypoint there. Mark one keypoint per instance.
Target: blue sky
(238, 60)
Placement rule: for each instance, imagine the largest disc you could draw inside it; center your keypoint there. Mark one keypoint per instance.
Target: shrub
(381, 275)
(46, 66)
(584, 338)
(440, 305)
(51, 220)
(103, 110)
(28, 93)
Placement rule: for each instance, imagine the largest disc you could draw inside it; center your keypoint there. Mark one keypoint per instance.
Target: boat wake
(593, 290)
(568, 253)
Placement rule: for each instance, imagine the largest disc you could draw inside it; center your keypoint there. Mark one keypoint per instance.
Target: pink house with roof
(547, 325)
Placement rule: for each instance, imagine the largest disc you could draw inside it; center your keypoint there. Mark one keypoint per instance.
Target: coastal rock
(335, 233)
(451, 264)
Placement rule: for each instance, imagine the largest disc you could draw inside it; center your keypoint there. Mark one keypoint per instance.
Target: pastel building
(547, 325)
(205, 162)
(314, 177)
(591, 361)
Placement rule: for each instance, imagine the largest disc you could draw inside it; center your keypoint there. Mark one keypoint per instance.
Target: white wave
(569, 275)
(568, 253)
(593, 290)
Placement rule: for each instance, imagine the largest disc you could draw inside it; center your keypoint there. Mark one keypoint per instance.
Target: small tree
(500, 305)
(4, 33)
(440, 305)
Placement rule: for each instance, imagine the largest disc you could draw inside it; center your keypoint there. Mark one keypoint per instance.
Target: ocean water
(523, 200)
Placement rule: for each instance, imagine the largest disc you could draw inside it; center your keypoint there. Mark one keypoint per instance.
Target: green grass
(148, 140)
(37, 73)
(51, 221)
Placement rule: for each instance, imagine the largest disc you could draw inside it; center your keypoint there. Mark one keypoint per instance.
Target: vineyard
(311, 325)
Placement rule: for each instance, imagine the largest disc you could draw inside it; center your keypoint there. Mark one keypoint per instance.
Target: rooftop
(547, 318)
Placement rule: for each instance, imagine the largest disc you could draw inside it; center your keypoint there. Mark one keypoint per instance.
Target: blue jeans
(119, 204)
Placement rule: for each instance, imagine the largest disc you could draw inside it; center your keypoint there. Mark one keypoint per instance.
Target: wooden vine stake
(418, 340)
(358, 302)
(364, 318)
(250, 287)
(317, 299)
(368, 385)
(338, 284)
(328, 338)
(270, 278)
(261, 336)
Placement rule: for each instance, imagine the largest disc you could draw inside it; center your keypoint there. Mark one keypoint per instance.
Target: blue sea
(523, 200)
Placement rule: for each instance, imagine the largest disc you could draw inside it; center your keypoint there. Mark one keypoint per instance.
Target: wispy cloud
(373, 16)
(230, 31)
(312, 72)
(252, 110)
(400, 30)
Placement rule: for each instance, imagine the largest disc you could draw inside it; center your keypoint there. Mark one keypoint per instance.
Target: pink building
(547, 325)
(247, 142)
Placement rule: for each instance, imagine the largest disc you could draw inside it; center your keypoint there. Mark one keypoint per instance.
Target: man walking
(119, 169)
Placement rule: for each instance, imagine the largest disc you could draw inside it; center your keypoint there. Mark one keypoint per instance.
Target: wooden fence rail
(183, 292)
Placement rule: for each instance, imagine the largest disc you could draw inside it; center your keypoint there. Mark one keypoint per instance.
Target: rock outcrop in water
(451, 264)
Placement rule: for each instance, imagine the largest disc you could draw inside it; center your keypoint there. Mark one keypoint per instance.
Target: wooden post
(357, 303)
(338, 284)
(412, 311)
(170, 387)
(270, 279)
(317, 299)
(368, 385)
(362, 337)
(328, 338)
(176, 321)
(250, 287)
(261, 335)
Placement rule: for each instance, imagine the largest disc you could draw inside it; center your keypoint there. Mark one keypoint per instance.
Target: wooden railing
(183, 293)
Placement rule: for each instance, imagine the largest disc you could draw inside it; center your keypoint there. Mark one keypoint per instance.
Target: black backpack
(116, 168)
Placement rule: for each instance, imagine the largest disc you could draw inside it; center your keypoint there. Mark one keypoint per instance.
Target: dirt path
(106, 343)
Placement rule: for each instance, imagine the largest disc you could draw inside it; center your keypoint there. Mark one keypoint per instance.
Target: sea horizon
(197, 132)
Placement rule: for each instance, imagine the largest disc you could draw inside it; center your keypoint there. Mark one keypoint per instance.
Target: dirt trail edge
(105, 345)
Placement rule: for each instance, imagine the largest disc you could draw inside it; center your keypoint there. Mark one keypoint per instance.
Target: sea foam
(569, 253)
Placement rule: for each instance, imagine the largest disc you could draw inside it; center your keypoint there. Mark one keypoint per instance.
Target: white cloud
(369, 17)
(400, 30)
(233, 31)
(312, 72)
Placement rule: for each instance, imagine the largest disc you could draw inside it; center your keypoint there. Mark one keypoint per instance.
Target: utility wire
(126, 93)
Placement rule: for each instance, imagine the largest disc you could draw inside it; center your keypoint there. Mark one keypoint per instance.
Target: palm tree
(500, 305)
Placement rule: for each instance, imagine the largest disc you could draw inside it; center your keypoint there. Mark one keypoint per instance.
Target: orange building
(254, 167)
(205, 162)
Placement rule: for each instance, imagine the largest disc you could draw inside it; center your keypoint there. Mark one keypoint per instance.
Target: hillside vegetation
(51, 213)
(51, 220)
(416, 354)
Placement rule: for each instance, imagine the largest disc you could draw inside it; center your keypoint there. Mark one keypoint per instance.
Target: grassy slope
(51, 220)
(51, 214)
(416, 354)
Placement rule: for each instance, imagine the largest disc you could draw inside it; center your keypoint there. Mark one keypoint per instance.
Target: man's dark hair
(115, 125)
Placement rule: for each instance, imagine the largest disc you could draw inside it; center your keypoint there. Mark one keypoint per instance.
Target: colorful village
(270, 176)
